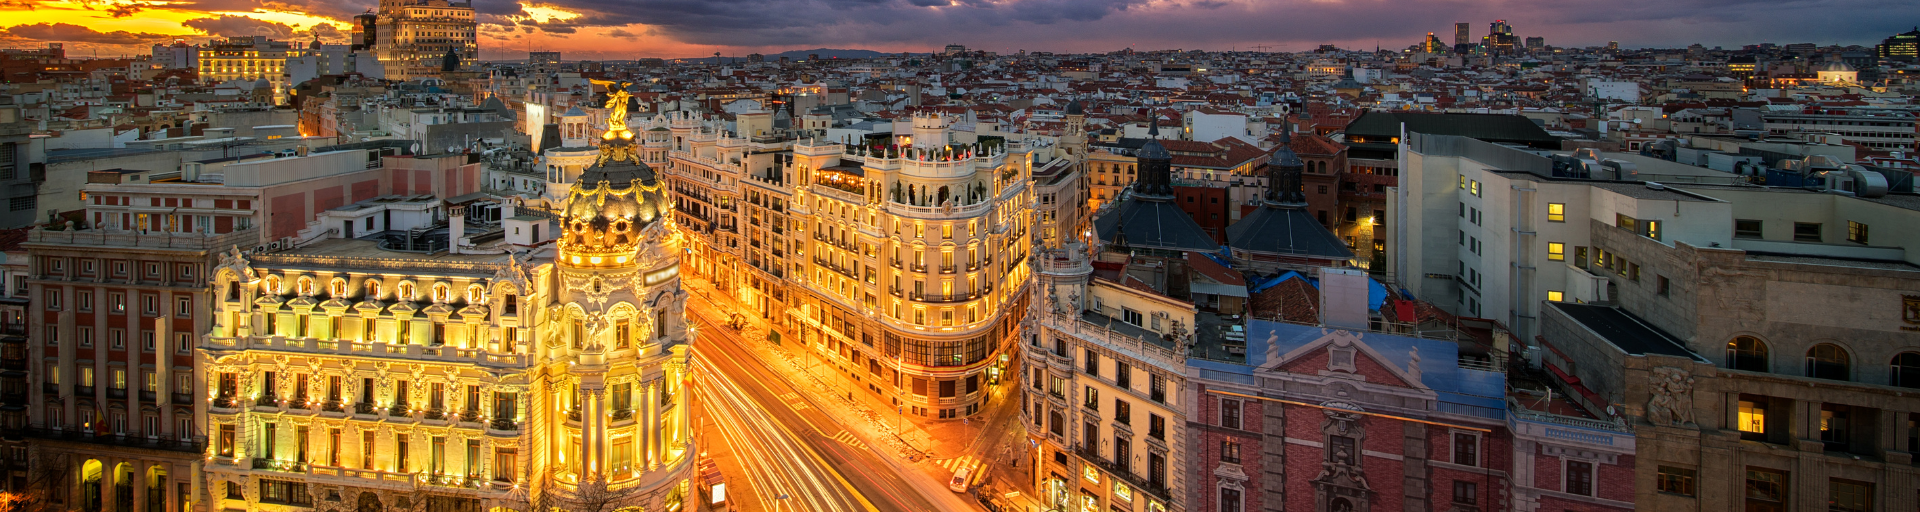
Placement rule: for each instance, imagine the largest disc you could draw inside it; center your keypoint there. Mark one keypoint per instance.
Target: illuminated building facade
(346, 374)
(413, 37)
(900, 261)
(246, 58)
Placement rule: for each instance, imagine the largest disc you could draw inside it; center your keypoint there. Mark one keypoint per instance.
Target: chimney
(456, 227)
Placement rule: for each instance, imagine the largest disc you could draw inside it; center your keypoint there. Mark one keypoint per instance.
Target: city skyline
(694, 29)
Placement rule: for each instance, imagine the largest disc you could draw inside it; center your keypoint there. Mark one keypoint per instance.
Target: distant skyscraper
(955, 49)
(1613, 46)
(1536, 42)
(543, 58)
(1901, 47)
(1462, 34)
(1500, 37)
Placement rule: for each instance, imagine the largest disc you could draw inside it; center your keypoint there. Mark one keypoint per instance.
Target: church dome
(1838, 66)
(608, 207)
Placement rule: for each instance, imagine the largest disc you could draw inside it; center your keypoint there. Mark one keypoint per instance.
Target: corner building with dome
(484, 370)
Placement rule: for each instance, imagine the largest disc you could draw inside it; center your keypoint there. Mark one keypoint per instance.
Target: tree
(47, 486)
(595, 495)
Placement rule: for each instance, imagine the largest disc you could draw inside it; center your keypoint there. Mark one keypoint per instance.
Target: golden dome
(608, 207)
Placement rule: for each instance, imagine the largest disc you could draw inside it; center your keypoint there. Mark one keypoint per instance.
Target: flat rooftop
(1625, 331)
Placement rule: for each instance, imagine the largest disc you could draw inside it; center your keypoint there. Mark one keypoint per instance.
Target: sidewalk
(916, 446)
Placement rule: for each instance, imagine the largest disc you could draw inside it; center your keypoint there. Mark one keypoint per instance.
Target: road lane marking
(847, 437)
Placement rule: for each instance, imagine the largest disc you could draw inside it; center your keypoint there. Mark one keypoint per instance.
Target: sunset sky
(627, 29)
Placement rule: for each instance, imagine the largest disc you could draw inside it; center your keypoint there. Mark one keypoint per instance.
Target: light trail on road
(775, 462)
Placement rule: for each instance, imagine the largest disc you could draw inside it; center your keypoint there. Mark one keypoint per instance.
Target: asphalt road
(788, 447)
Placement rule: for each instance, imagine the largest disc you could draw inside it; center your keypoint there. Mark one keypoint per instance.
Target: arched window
(337, 288)
(305, 286)
(1747, 353)
(1828, 361)
(1906, 370)
(476, 294)
(273, 285)
(373, 290)
(406, 291)
(441, 292)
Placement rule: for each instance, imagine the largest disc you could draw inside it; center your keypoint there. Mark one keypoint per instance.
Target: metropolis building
(517, 375)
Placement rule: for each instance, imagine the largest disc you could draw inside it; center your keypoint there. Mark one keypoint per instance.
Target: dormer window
(273, 285)
(476, 294)
(373, 290)
(406, 291)
(305, 286)
(337, 288)
(441, 292)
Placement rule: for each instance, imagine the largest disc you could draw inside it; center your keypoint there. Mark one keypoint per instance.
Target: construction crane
(1263, 48)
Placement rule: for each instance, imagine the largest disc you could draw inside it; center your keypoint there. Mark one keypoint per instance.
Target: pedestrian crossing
(848, 438)
(793, 400)
(954, 464)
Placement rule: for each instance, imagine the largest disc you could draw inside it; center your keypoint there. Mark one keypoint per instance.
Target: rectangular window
(1556, 296)
(1093, 362)
(504, 460)
(1465, 493)
(1752, 420)
(1466, 449)
(1230, 414)
(1580, 477)
(1806, 232)
(1474, 187)
(1132, 317)
(1626, 223)
(1230, 452)
(1556, 212)
(1672, 480)
(1766, 490)
(1229, 500)
(1660, 286)
(1856, 232)
(1556, 251)
(1156, 427)
(1746, 228)
(1849, 496)
(1835, 429)
(366, 449)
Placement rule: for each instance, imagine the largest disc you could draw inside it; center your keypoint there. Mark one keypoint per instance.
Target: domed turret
(609, 205)
(1284, 170)
(1156, 165)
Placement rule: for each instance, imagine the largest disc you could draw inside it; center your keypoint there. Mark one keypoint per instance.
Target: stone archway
(369, 502)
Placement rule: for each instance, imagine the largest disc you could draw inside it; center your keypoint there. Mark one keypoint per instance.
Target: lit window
(1475, 188)
(1556, 296)
(1556, 251)
(1556, 212)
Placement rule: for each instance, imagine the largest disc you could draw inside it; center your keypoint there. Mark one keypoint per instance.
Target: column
(653, 425)
(593, 432)
(139, 485)
(163, 348)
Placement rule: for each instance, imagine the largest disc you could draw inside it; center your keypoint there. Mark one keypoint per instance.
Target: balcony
(623, 415)
(267, 401)
(181, 398)
(83, 390)
(436, 414)
(363, 408)
(226, 402)
(50, 388)
(78, 436)
(335, 406)
(470, 416)
(503, 425)
(148, 396)
(398, 409)
(1141, 482)
(13, 364)
(288, 466)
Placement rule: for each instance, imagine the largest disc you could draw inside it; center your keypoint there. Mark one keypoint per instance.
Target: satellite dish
(415, 148)
(1610, 411)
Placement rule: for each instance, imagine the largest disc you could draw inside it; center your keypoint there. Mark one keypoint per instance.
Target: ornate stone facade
(555, 379)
